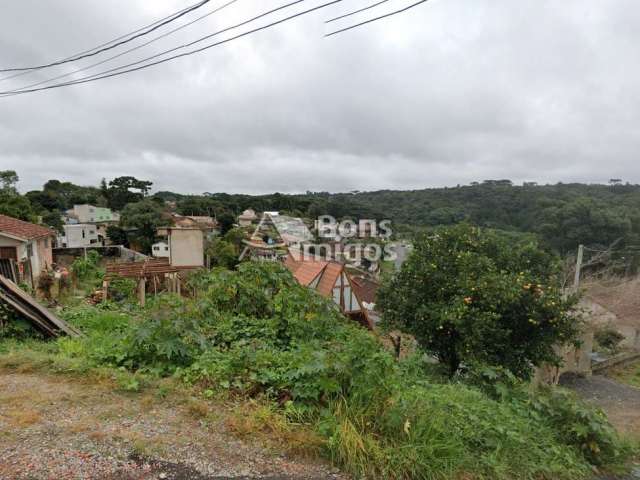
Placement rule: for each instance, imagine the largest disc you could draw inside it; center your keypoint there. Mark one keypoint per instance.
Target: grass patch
(23, 417)
(629, 375)
(263, 419)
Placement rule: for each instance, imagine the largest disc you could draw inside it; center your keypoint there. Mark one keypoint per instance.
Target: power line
(19, 74)
(186, 45)
(97, 51)
(164, 35)
(108, 74)
(356, 11)
(125, 70)
(375, 19)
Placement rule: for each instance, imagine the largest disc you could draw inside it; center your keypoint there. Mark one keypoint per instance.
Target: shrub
(577, 424)
(608, 338)
(13, 326)
(86, 267)
(122, 289)
(469, 295)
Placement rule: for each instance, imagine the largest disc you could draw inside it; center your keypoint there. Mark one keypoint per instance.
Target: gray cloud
(451, 92)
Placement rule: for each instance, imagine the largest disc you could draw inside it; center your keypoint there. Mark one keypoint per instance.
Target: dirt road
(51, 428)
(620, 402)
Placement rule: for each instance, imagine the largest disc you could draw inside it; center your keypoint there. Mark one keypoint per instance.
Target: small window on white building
(30, 250)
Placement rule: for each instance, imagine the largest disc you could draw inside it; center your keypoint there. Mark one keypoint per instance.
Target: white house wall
(74, 238)
(186, 247)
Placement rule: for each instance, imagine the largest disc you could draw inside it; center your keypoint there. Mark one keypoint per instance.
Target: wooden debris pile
(155, 271)
(28, 308)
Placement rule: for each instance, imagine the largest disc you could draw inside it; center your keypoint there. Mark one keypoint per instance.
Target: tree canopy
(141, 220)
(472, 295)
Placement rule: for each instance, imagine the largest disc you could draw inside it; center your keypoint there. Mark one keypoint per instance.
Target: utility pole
(576, 280)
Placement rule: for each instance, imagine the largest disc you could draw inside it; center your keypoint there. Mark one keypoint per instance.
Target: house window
(156, 248)
(83, 235)
(92, 232)
(29, 250)
(166, 249)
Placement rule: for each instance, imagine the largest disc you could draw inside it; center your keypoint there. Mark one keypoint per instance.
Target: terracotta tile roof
(329, 278)
(23, 230)
(291, 263)
(307, 272)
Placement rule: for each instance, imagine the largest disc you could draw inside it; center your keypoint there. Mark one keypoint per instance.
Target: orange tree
(478, 296)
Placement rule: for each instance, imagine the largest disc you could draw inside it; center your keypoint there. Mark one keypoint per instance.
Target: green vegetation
(11, 202)
(487, 304)
(472, 296)
(143, 218)
(255, 333)
(118, 193)
(562, 216)
(608, 340)
(629, 375)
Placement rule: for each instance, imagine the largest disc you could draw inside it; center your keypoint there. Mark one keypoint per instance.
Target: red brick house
(28, 245)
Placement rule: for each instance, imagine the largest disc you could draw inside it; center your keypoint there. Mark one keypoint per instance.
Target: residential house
(187, 221)
(91, 214)
(186, 245)
(247, 218)
(292, 230)
(81, 235)
(366, 289)
(28, 245)
(208, 224)
(330, 279)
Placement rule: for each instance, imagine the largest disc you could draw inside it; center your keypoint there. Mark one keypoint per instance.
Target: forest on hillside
(561, 215)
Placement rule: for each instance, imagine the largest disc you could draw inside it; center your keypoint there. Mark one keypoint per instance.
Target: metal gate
(8, 269)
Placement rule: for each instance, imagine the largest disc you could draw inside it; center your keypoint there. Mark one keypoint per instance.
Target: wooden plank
(14, 291)
(141, 291)
(24, 312)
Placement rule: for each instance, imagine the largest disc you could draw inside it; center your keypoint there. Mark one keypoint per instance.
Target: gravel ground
(51, 428)
(620, 402)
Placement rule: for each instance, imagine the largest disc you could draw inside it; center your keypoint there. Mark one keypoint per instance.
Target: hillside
(563, 215)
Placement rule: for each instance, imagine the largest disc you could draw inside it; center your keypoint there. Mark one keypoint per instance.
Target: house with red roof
(27, 244)
(331, 279)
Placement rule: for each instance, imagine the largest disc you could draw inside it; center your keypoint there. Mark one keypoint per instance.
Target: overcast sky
(450, 92)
